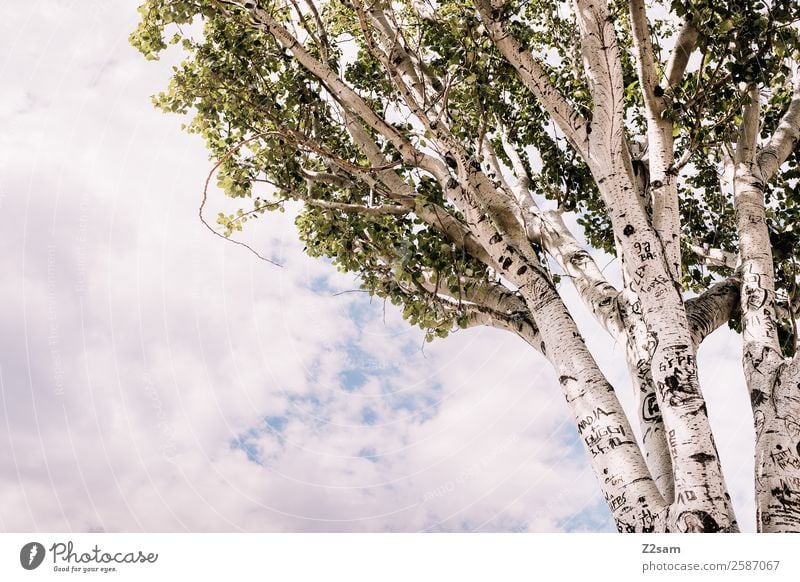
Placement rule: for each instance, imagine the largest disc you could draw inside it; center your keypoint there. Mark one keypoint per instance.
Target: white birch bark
(681, 53)
(616, 459)
(770, 382)
(713, 308)
(776, 407)
(547, 228)
(700, 492)
(773, 384)
(639, 348)
(663, 181)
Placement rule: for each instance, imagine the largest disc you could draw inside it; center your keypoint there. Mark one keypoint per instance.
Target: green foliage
(237, 83)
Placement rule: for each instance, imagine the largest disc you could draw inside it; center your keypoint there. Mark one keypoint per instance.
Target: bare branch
(679, 60)
(221, 161)
(715, 257)
(748, 129)
(785, 138)
(713, 308)
(645, 56)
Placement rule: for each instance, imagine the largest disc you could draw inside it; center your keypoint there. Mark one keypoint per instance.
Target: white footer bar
(397, 557)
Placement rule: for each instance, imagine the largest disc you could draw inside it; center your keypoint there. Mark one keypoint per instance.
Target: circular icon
(31, 555)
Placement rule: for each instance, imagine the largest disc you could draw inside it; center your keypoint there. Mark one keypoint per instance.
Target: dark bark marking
(757, 398)
(697, 522)
(703, 458)
(579, 258)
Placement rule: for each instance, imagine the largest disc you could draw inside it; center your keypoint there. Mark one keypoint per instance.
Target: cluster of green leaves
(253, 104)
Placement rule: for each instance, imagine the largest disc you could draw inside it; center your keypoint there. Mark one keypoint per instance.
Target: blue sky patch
(352, 379)
(251, 449)
(369, 454)
(368, 416)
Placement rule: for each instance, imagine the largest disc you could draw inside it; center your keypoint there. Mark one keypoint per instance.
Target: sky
(154, 377)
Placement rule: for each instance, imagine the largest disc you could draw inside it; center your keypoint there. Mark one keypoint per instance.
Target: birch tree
(470, 158)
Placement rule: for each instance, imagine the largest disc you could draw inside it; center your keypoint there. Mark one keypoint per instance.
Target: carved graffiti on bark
(650, 410)
(785, 459)
(644, 251)
(590, 419)
(696, 522)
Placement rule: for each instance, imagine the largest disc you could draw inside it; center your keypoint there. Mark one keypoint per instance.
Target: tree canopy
(439, 148)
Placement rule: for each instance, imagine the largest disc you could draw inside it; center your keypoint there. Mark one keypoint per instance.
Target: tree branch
(601, 60)
(679, 59)
(340, 90)
(748, 129)
(433, 214)
(715, 257)
(481, 193)
(663, 183)
(370, 211)
(549, 231)
(713, 308)
(645, 56)
(534, 76)
(785, 138)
